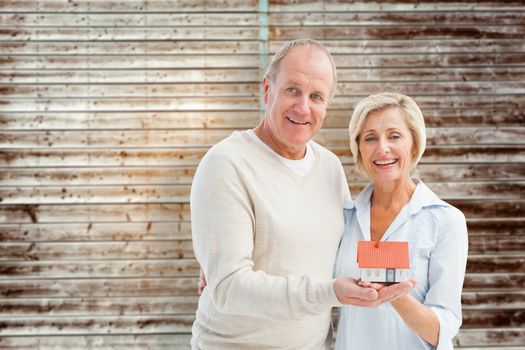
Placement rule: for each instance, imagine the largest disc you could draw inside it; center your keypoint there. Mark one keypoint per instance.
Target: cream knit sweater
(267, 240)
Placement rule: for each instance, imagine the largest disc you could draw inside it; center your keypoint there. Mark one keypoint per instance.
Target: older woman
(387, 139)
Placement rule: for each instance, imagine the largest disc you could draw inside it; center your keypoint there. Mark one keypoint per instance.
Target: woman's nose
(383, 146)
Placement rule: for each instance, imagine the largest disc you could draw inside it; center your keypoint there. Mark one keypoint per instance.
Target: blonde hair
(273, 67)
(410, 112)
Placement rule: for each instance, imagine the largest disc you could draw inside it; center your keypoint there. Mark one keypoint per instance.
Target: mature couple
(272, 215)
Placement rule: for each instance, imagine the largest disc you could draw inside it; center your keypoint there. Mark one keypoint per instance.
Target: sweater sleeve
(223, 224)
(446, 274)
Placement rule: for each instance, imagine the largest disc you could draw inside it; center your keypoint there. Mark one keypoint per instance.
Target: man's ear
(266, 89)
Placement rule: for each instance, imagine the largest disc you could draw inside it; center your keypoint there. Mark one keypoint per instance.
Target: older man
(266, 210)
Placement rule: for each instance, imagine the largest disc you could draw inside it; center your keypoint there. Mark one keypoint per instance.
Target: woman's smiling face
(386, 146)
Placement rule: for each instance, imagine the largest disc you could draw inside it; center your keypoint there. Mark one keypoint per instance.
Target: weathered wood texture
(106, 108)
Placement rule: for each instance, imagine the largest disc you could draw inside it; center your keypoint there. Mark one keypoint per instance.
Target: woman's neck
(392, 195)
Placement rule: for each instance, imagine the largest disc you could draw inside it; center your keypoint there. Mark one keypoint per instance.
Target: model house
(383, 261)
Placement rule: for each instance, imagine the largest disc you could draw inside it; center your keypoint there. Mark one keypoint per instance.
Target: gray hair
(273, 67)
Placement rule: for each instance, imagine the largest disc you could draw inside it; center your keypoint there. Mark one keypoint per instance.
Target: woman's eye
(369, 139)
(395, 136)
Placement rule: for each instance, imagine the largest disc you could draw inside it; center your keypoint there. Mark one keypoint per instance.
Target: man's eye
(317, 97)
(292, 90)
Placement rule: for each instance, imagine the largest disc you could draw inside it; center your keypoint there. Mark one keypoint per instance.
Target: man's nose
(302, 105)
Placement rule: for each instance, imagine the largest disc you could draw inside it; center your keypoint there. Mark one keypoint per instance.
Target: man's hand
(349, 291)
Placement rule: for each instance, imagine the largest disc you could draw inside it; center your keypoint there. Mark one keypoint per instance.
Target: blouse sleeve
(446, 274)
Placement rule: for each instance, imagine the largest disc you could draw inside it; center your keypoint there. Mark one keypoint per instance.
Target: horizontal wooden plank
(140, 61)
(180, 193)
(189, 46)
(438, 88)
(493, 318)
(99, 269)
(494, 347)
(486, 337)
(182, 341)
(433, 117)
(380, 18)
(501, 244)
(426, 74)
(85, 263)
(352, 76)
(184, 175)
(435, 136)
(496, 263)
(94, 213)
(493, 300)
(89, 34)
(172, 47)
(146, 19)
(226, 103)
(230, 119)
(406, 32)
(422, 32)
(472, 136)
(187, 305)
(454, 154)
(128, 6)
(462, 172)
(392, 5)
(431, 46)
(489, 208)
(495, 227)
(100, 325)
(113, 194)
(118, 287)
(99, 342)
(182, 323)
(132, 104)
(425, 60)
(493, 281)
(153, 90)
(98, 176)
(67, 213)
(134, 306)
(171, 76)
(143, 120)
(146, 61)
(111, 250)
(87, 231)
(111, 139)
(196, 138)
(252, 19)
(192, 156)
(496, 235)
(129, 157)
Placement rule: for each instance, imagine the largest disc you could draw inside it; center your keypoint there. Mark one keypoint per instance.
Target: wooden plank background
(106, 108)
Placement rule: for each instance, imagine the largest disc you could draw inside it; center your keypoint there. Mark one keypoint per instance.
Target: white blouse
(438, 245)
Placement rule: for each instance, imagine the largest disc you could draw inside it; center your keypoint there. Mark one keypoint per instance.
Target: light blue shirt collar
(421, 198)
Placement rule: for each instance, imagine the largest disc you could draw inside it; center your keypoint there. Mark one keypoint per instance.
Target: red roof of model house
(378, 254)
